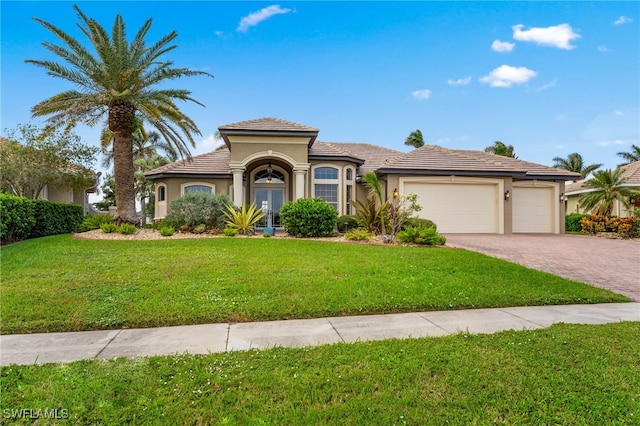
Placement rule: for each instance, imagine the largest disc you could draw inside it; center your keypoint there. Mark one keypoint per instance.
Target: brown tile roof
(213, 164)
(269, 124)
(630, 175)
(435, 159)
(374, 156)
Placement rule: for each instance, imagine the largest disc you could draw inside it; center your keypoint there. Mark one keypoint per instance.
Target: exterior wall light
(563, 198)
(507, 195)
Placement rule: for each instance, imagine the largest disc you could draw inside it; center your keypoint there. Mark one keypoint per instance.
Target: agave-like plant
(244, 219)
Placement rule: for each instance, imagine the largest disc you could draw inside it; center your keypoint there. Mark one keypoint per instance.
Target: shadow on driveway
(606, 263)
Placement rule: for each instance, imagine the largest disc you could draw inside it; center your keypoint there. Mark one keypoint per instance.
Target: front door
(274, 198)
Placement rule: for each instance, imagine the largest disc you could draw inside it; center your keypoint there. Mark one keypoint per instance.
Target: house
(275, 161)
(630, 176)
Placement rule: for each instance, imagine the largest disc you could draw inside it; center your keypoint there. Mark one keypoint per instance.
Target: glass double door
(274, 198)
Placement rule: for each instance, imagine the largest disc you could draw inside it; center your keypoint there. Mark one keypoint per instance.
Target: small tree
(500, 148)
(400, 210)
(108, 189)
(608, 187)
(575, 163)
(415, 139)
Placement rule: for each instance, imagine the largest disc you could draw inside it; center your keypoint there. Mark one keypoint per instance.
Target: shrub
(197, 208)
(92, 222)
(229, 232)
(572, 222)
(199, 229)
(358, 234)
(308, 217)
(127, 229)
(266, 235)
(16, 218)
(167, 231)
(416, 222)
(346, 223)
(109, 227)
(421, 235)
(244, 219)
(55, 218)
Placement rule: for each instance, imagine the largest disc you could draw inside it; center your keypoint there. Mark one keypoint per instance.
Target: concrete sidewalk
(202, 339)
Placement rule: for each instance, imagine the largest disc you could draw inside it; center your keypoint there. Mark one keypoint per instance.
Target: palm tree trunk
(121, 124)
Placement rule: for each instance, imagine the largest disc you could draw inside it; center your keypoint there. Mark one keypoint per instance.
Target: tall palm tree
(415, 139)
(630, 157)
(608, 187)
(499, 148)
(145, 144)
(117, 81)
(575, 163)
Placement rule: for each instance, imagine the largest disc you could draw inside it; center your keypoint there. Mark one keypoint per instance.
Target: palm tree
(631, 156)
(608, 187)
(499, 148)
(117, 81)
(574, 163)
(415, 139)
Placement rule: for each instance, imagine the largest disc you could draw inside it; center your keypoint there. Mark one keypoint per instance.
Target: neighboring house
(631, 178)
(462, 191)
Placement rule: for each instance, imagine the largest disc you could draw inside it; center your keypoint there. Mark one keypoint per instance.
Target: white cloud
(622, 20)
(547, 86)
(421, 94)
(255, 18)
(208, 144)
(506, 76)
(611, 142)
(602, 48)
(459, 82)
(442, 141)
(502, 46)
(618, 113)
(559, 36)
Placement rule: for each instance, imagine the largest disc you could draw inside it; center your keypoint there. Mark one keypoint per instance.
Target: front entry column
(238, 198)
(299, 182)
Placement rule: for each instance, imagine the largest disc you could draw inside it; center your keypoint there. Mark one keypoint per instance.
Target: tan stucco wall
(573, 202)
(174, 187)
(244, 146)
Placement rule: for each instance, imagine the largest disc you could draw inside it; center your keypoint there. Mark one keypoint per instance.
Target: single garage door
(458, 207)
(533, 209)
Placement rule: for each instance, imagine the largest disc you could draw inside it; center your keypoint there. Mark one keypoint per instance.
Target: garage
(534, 209)
(462, 206)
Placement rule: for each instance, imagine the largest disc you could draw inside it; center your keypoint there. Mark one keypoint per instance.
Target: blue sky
(549, 78)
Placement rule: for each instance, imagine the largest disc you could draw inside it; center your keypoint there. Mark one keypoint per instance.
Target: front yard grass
(64, 284)
(565, 374)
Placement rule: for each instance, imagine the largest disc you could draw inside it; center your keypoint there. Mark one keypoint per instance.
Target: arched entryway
(270, 187)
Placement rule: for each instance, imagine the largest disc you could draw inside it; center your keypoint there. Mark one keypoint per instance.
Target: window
(197, 188)
(264, 176)
(349, 173)
(349, 198)
(325, 185)
(162, 193)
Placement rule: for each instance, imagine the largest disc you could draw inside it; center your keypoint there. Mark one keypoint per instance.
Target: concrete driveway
(606, 263)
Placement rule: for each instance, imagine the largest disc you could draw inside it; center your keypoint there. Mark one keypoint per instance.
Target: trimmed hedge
(22, 218)
(572, 222)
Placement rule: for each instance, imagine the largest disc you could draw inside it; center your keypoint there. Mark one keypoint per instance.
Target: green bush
(308, 217)
(16, 218)
(229, 232)
(22, 218)
(167, 231)
(109, 227)
(421, 235)
(92, 222)
(416, 222)
(197, 208)
(127, 229)
(346, 223)
(358, 234)
(243, 219)
(200, 229)
(572, 222)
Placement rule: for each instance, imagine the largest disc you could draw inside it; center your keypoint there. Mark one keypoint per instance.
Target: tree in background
(118, 80)
(32, 158)
(415, 139)
(630, 157)
(108, 190)
(608, 187)
(499, 148)
(575, 163)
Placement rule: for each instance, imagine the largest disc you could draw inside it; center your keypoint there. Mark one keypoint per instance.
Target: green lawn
(565, 374)
(62, 284)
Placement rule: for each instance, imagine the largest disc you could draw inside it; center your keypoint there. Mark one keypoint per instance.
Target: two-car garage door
(477, 205)
(459, 207)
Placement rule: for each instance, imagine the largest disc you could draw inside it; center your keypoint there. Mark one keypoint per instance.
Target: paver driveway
(606, 263)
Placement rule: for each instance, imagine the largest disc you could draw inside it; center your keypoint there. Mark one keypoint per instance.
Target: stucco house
(462, 191)
(630, 176)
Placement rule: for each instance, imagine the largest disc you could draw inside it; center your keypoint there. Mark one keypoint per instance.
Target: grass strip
(565, 374)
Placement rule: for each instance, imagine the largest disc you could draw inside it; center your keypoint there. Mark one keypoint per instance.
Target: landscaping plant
(308, 217)
(195, 208)
(422, 236)
(244, 219)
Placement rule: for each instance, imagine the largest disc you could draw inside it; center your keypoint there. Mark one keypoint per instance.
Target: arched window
(198, 187)
(348, 189)
(162, 193)
(269, 176)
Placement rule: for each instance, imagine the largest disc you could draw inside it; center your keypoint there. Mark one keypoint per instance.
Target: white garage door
(533, 209)
(458, 207)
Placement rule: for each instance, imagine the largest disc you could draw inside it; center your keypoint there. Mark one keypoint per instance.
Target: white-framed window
(162, 193)
(349, 192)
(205, 187)
(326, 185)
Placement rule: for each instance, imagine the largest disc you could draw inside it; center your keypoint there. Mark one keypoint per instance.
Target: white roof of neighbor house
(630, 176)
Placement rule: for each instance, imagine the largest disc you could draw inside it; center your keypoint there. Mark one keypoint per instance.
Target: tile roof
(375, 156)
(630, 175)
(437, 159)
(268, 124)
(213, 163)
